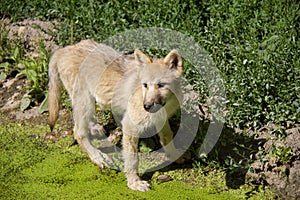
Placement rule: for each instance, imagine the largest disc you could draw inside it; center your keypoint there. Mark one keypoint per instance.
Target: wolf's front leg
(166, 140)
(130, 155)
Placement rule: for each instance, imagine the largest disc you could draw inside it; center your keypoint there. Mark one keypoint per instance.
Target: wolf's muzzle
(153, 108)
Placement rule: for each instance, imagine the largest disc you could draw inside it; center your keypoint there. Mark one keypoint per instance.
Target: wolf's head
(158, 78)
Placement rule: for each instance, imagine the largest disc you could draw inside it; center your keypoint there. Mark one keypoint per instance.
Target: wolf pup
(144, 91)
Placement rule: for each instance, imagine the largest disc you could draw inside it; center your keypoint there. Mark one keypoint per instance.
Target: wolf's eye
(145, 85)
(161, 85)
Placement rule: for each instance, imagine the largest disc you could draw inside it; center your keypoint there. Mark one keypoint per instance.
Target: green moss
(33, 169)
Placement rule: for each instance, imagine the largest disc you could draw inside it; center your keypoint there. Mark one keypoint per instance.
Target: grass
(33, 169)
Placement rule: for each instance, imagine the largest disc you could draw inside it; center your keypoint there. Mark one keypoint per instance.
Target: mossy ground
(31, 168)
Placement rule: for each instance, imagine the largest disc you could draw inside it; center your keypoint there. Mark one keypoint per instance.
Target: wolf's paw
(139, 185)
(102, 159)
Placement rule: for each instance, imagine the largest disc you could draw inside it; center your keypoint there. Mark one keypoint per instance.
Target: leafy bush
(255, 44)
(15, 62)
(35, 69)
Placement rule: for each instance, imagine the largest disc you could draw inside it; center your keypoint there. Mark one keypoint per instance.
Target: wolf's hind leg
(84, 117)
(96, 129)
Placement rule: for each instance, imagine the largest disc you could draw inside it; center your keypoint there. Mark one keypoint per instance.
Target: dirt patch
(11, 92)
(32, 33)
(281, 168)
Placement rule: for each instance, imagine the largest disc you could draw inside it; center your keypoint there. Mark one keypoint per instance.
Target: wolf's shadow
(233, 152)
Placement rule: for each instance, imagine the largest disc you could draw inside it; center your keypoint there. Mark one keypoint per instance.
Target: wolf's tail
(54, 93)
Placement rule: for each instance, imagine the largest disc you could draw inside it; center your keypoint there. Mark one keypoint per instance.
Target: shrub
(255, 44)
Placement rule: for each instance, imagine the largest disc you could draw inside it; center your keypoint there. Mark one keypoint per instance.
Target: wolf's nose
(148, 106)
(152, 108)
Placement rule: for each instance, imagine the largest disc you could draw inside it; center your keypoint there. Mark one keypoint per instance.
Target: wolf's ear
(174, 61)
(141, 57)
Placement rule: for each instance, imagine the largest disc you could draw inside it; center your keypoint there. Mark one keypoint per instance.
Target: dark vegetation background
(255, 44)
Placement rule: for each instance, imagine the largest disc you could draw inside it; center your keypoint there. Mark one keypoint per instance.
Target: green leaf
(5, 65)
(2, 76)
(16, 53)
(147, 145)
(44, 105)
(25, 102)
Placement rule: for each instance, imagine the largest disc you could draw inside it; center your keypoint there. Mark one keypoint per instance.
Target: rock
(164, 178)
(31, 33)
(282, 176)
